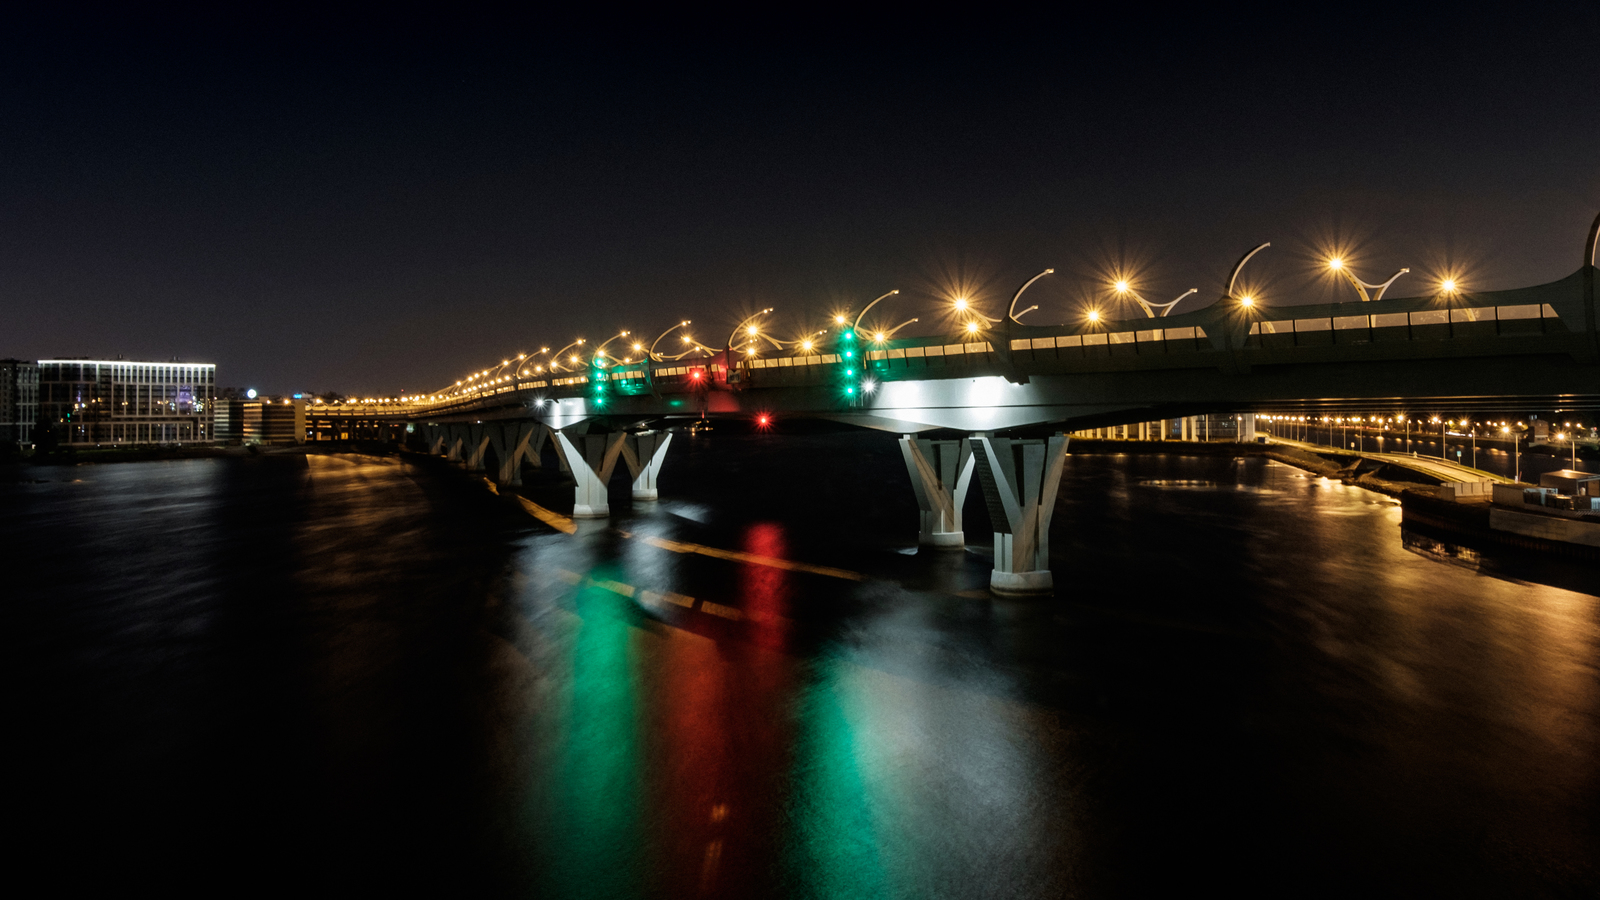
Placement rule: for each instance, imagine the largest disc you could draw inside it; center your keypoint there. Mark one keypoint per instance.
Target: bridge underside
(984, 400)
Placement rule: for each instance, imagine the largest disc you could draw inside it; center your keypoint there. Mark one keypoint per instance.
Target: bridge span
(997, 399)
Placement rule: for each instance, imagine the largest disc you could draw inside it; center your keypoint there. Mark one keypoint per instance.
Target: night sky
(380, 208)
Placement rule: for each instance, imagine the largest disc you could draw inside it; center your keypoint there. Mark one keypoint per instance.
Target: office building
(122, 401)
(19, 400)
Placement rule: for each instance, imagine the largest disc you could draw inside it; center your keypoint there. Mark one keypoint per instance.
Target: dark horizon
(379, 211)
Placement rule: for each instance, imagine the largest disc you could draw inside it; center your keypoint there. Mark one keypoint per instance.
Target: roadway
(1442, 469)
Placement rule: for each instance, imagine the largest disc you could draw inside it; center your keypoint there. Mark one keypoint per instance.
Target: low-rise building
(89, 401)
(261, 421)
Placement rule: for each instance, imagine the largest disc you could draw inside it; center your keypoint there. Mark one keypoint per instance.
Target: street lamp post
(1337, 265)
(1516, 456)
(1011, 311)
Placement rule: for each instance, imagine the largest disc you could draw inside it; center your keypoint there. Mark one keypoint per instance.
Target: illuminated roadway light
(878, 337)
(1094, 315)
(1335, 263)
(1122, 287)
(961, 304)
(972, 327)
(1449, 285)
(1247, 301)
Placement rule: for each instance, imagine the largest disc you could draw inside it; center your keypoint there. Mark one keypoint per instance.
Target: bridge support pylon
(591, 467)
(941, 472)
(513, 442)
(1020, 479)
(477, 444)
(643, 453)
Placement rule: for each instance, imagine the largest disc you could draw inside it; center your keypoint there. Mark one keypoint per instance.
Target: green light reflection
(596, 839)
(833, 849)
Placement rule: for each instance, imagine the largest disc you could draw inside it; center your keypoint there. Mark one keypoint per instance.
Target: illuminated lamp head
(1247, 301)
(961, 304)
(1335, 263)
(1094, 315)
(1122, 287)
(972, 327)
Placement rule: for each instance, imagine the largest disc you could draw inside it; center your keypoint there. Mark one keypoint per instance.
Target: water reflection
(1247, 674)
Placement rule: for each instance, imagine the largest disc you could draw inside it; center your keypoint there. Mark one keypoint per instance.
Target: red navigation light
(763, 421)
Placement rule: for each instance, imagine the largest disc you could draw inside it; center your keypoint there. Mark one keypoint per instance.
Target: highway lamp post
(1011, 311)
(1337, 265)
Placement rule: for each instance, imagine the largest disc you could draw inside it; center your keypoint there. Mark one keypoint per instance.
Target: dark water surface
(352, 673)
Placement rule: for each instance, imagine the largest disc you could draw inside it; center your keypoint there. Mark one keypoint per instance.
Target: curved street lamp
(652, 351)
(600, 351)
(1011, 311)
(879, 337)
(1336, 264)
(855, 327)
(1122, 287)
(555, 358)
(736, 329)
(964, 307)
(1233, 278)
(530, 357)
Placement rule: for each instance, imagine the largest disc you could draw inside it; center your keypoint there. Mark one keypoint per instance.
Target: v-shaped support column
(514, 441)
(644, 453)
(591, 468)
(1020, 478)
(941, 472)
(436, 436)
(477, 443)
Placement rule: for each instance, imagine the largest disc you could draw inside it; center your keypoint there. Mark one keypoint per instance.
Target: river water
(351, 672)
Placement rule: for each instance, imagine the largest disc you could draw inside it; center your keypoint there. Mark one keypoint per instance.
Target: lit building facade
(128, 402)
(19, 400)
(260, 421)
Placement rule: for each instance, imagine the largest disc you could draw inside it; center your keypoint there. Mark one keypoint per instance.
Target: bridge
(998, 397)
